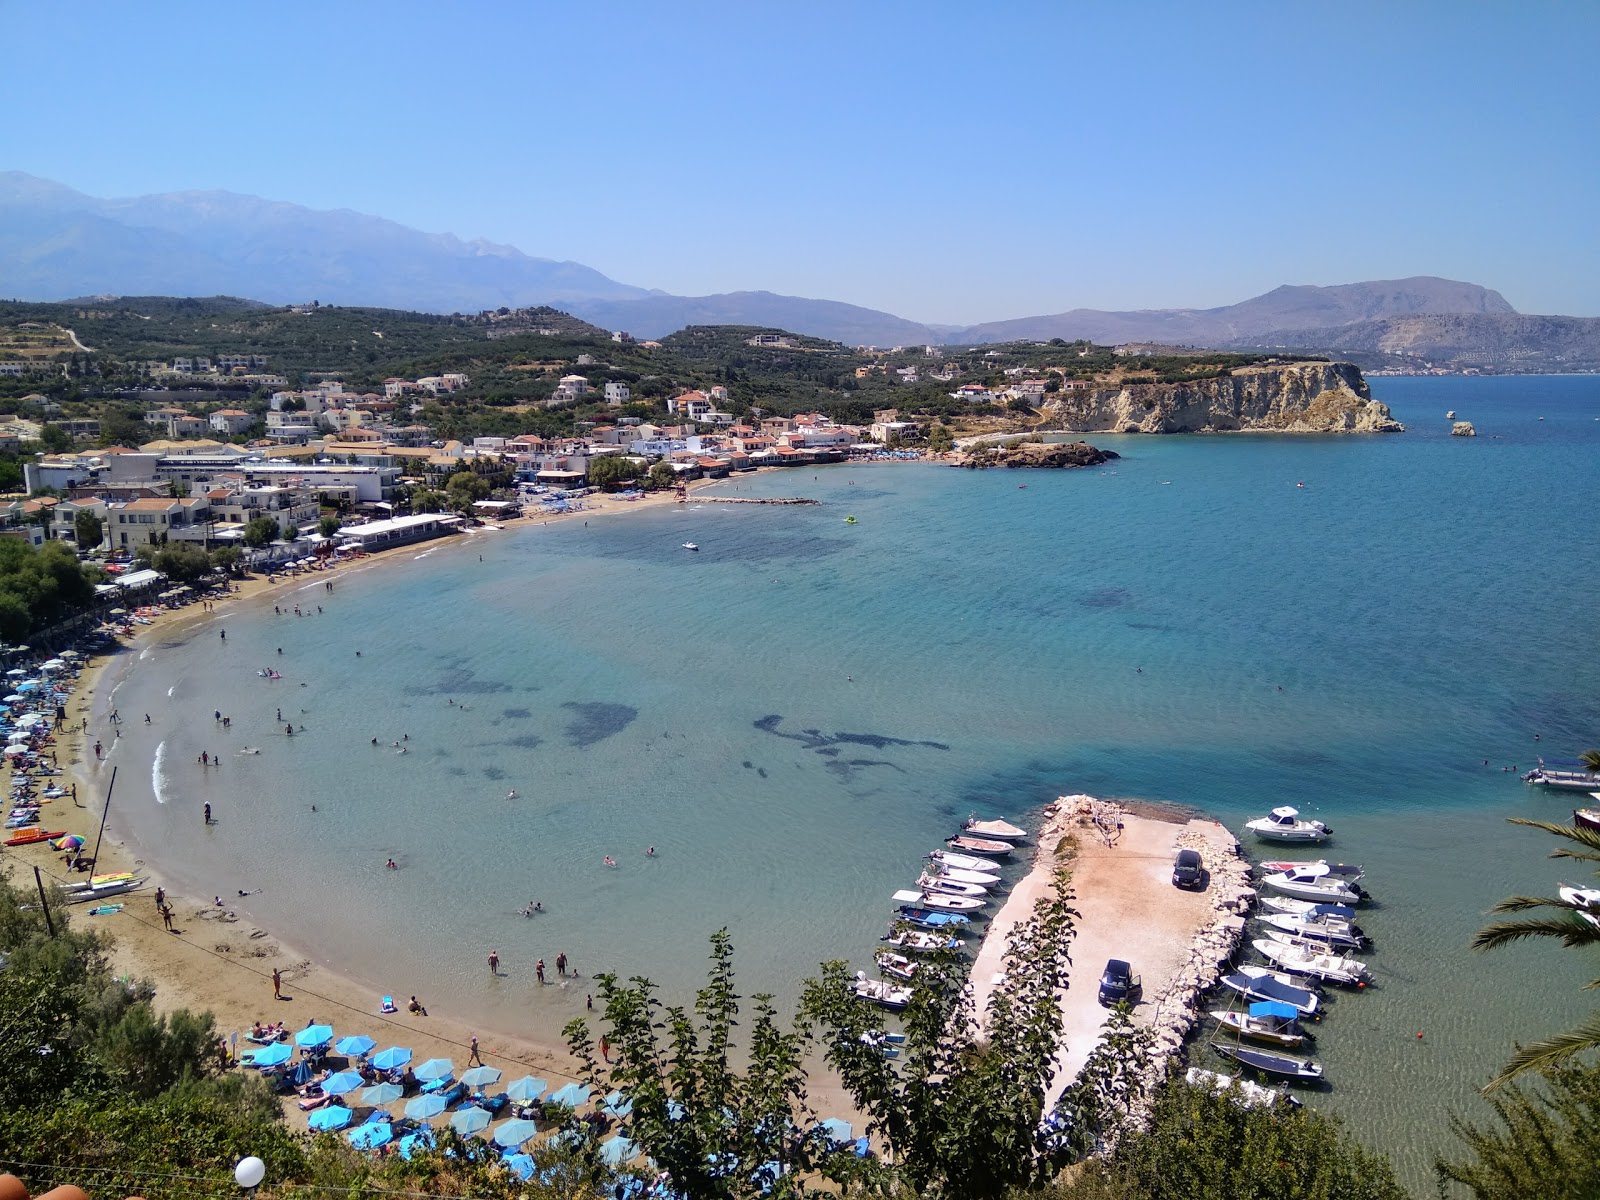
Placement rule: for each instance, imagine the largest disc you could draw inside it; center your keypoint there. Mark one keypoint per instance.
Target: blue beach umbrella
(342, 1082)
(271, 1056)
(382, 1093)
(391, 1059)
(619, 1150)
(477, 1077)
(526, 1090)
(617, 1104)
(838, 1132)
(424, 1107)
(514, 1133)
(371, 1135)
(412, 1142)
(574, 1095)
(435, 1068)
(520, 1165)
(470, 1120)
(332, 1117)
(356, 1044)
(314, 1035)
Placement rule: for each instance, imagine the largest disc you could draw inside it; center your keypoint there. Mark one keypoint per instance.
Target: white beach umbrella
(13, 751)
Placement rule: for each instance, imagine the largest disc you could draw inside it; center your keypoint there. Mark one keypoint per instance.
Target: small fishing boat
(926, 918)
(963, 862)
(1349, 872)
(989, 878)
(1260, 983)
(1320, 883)
(1283, 824)
(881, 992)
(690, 546)
(1300, 958)
(1242, 1092)
(1307, 908)
(1586, 818)
(897, 965)
(920, 941)
(1270, 1062)
(1003, 830)
(952, 887)
(1269, 1021)
(1328, 931)
(973, 845)
(940, 900)
(99, 891)
(35, 835)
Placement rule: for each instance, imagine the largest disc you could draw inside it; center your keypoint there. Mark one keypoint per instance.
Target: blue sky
(949, 163)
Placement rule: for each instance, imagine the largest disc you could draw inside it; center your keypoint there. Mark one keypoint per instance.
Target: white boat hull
(1301, 960)
(964, 862)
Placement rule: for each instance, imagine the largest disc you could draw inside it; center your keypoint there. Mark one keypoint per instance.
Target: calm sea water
(794, 715)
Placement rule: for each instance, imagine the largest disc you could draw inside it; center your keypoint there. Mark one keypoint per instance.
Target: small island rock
(1035, 454)
(1463, 429)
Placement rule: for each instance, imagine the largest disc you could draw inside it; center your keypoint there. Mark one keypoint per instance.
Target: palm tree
(1591, 760)
(1575, 924)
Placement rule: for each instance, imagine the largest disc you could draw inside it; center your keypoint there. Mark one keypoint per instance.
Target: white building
(231, 421)
(617, 394)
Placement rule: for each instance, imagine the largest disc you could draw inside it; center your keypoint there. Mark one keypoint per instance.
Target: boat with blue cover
(1259, 983)
(926, 918)
(1270, 1021)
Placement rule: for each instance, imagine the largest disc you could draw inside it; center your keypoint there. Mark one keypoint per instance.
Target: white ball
(250, 1172)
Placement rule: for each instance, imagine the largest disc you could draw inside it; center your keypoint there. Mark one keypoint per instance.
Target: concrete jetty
(1177, 941)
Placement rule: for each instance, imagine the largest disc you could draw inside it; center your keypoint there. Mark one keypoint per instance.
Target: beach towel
(388, 1005)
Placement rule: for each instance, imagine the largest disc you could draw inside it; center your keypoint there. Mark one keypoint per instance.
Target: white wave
(158, 777)
(170, 690)
(145, 653)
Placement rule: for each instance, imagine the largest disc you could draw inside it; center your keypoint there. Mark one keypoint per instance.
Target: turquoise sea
(795, 714)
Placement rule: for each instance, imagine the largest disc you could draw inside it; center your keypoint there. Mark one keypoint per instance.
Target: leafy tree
(713, 1129)
(612, 471)
(426, 500)
(88, 530)
(226, 558)
(261, 531)
(1567, 924)
(661, 476)
(940, 439)
(55, 439)
(1200, 1145)
(1544, 1142)
(183, 562)
(961, 1120)
(329, 525)
(291, 531)
(464, 489)
(15, 618)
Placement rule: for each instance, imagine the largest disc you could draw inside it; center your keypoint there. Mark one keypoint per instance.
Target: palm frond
(1572, 930)
(1550, 1052)
(1522, 903)
(1573, 833)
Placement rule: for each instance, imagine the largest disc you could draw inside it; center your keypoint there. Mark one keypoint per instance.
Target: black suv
(1118, 983)
(1188, 871)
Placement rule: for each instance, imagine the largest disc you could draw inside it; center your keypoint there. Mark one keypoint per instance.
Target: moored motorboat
(1300, 958)
(986, 879)
(690, 546)
(1270, 1062)
(1261, 983)
(965, 862)
(1330, 931)
(1269, 1021)
(940, 900)
(975, 845)
(1003, 830)
(1349, 872)
(921, 941)
(881, 992)
(894, 964)
(1319, 883)
(1283, 824)
(948, 886)
(1242, 1092)
(1585, 900)
(926, 918)
(1307, 908)
(1586, 818)
(1571, 774)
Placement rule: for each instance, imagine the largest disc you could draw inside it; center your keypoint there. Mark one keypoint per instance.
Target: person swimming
(609, 861)
(512, 794)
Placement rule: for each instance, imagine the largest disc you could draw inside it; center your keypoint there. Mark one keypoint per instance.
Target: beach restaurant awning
(135, 580)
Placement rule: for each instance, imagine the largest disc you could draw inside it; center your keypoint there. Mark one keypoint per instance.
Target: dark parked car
(1118, 983)
(1188, 871)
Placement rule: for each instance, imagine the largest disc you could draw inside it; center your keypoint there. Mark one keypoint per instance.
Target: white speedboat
(880, 992)
(1283, 824)
(978, 845)
(1298, 958)
(950, 887)
(963, 862)
(690, 546)
(922, 941)
(1241, 1091)
(943, 900)
(1307, 908)
(1350, 872)
(987, 879)
(894, 964)
(1586, 900)
(1328, 931)
(1319, 882)
(993, 829)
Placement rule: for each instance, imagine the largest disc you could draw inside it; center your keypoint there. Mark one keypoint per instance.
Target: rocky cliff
(1035, 454)
(1308, 397)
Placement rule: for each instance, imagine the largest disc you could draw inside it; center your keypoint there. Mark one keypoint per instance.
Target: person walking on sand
(277, 984)
(494, 962)
(561, 964)
(166, 917)
(474, 1057)
(605, 1049)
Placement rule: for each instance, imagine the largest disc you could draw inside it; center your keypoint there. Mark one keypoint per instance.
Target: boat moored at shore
(1284, 824)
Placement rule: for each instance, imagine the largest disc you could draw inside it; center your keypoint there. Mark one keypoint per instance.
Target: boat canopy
(1285, 813)
(1271, 1008)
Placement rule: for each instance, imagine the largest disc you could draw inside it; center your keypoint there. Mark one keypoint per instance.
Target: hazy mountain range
(57, 244)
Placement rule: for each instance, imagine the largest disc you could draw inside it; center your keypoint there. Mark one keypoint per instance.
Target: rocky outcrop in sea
(1302, 397)
(1034, 454)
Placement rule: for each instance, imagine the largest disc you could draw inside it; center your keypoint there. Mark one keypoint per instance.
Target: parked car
(1118, 983)
(1188, 871)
